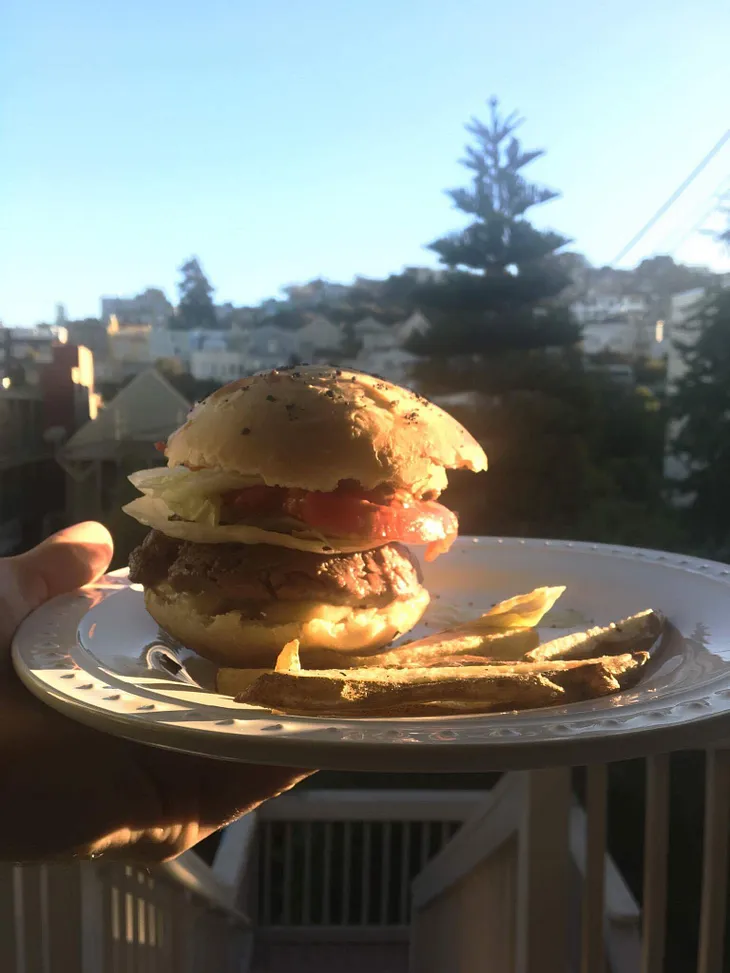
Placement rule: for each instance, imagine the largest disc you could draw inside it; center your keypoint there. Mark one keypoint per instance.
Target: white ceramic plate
(97, 656)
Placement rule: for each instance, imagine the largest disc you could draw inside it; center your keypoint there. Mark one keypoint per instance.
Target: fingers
(213, 793)
(196, 797)
(68, 560)
(232, 791)
(189, 799)
(250, 787)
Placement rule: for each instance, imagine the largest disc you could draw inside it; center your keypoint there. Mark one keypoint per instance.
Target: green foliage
(491, 332)
(498, 236)
(661, 277)
(505, 299)
(573, 454)
(502, 293)
(195, 310)
(701, 406)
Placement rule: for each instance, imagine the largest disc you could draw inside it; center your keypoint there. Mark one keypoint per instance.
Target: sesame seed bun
(311, 427)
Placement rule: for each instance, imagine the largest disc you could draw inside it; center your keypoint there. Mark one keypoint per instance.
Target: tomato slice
(374, 517)
(255, 499)
(347, 514)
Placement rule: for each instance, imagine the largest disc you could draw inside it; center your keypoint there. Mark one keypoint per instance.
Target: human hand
(70, 791)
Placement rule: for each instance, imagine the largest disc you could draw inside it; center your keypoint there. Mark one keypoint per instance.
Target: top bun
(313, 426)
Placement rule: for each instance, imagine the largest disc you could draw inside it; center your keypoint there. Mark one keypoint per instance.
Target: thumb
(65, 561)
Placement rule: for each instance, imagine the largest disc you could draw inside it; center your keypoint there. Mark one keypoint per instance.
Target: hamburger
(287, 510)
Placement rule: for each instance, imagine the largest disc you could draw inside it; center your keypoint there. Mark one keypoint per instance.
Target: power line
(717, 197)
(672, 199)
(676, 236)
(667, 243)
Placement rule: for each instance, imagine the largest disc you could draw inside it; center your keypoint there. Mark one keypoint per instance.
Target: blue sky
(281, 140)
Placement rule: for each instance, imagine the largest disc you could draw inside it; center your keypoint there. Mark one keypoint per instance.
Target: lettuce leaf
(194, 495)
(155, 513)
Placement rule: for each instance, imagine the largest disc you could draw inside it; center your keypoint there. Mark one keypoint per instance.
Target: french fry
(288, 658)
(510, 644)
(440, 690)
(521, 611)
(231, 682)
(470, 668)
(504, 633)
(469, 649)
(634, 634)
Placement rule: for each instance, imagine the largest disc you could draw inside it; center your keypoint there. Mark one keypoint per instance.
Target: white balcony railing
(515, 880)
(112, 918)
(509, 886)
(336, 867)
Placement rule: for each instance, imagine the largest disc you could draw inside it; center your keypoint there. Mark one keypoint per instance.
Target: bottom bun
(231, 639)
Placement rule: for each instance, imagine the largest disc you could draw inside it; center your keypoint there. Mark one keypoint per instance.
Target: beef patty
(262, 573)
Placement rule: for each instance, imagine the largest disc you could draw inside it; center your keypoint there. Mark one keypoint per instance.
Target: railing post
(92, 918)
(63, 915)
(8, 924)
(714, 861)
(656, 846)
(543, 874)
(593, 949)
(182, 931)
(35, 932)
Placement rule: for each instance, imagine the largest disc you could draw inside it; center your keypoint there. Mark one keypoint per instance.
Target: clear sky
(281, 140)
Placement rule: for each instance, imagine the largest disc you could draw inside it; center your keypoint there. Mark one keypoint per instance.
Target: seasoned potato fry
(440, 690)
(510, 644)
(634, 634)
(288, 658)
(231, 682)
(492, 663)
(521, 611)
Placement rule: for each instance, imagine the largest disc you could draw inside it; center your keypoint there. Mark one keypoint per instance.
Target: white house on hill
(318, 335)
(416, 324)
(394, 364)
(595, 306)
(218, 365)
(373, 335)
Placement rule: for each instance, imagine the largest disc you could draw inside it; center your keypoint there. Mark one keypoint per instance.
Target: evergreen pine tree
(195, 310)
(503, 273)
(701, 408)
(572, 453)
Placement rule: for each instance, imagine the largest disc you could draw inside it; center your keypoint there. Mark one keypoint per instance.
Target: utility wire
(668, 243)
(672, 199)
(717, 198)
